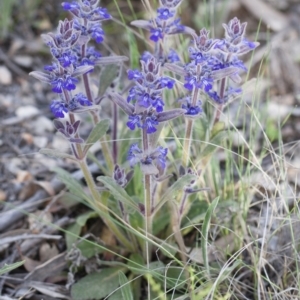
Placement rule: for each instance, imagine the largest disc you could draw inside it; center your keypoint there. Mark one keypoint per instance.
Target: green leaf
(96, 285)
(97, 133)
(117, 295)
(71, 183)
(107, 76)
(73, 231)
(117, 191)
(125, 287)
(218, 127)
(8, 268)
(173, 190)
(214, 143)
(136, 264)
(56, 154)
(204, 231)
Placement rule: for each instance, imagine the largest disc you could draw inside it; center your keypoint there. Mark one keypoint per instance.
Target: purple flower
(70, 83)
(57, 85)
(192, 110)
(97, 33)
(70, 6)
(102, 12)
(156, 34)
(82, 99)
(150, 123)
(205, 83)
(145, 100)
(134, 155)
(190, 82)
(159, 156)
(146, 56)
(134, 75)
(173, 56)
(166, 82)
(67, 58)
(78, 101)
(58, 108)
(158, 104)
(164, 13)
(134, 121)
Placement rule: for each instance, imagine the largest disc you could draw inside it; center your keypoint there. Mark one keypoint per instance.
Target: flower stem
(104, 145)
(189, 131)
(148, 213)
(103, 207)
(219, 110)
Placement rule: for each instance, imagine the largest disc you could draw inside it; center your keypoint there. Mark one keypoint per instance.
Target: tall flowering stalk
(72, 57)
(212, 65)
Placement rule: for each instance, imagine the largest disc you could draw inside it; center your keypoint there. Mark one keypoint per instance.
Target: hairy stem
(103, 207)
(104, 145)
(219, 110)
(115, 133)
(148, 213)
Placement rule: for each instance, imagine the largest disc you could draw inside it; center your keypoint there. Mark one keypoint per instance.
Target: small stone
(42, 124)
(27, 111)
(27, 137)
(40, 141)
(23, 60)
(5, 76)
(2, 195)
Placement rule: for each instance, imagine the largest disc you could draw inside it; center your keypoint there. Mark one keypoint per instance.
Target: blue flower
(134, 154)
(82, 99)
(70, 6)
(173, 56)
(150, 123)
(70, 83)
(160, 155)
(131, 94)
(134, 121)
(78, 101)
(192, 110)
(190, 82)
(158, 104)
(134, 75)
(145, 100)
(166, 82)
(57, 85)
(156, 34)
(102, 12)
(146, 56)
(205, 83)
(164, 13)
(58, 108)
(97, 33)
(67, 58)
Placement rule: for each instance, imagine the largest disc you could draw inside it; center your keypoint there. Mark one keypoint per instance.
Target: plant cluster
(142, 223)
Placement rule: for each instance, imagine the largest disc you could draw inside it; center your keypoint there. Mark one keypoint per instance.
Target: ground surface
(27, 185)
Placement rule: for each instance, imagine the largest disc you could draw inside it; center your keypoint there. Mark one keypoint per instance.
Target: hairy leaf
(117, 191)
(8, 268)
(125, 287)
(97, 133)
(55, 153)
(204, 231)
(96, 285)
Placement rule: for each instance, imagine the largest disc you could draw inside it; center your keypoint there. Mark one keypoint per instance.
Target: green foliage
(56, 154)
(96, 285)
(6, 9)
(71, 183)
(205, 230)
(8, 268)
(96, 134)
(125, 287)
